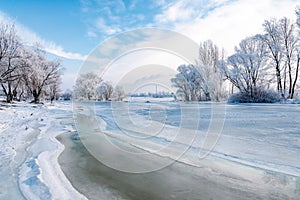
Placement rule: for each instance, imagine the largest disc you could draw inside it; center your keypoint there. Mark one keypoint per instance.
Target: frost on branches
(25, 72)
(90, 86)
(203, 80)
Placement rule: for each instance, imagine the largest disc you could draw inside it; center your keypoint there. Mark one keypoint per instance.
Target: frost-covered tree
(53, 90)
(21, 91)
(119, 93)
(24, 71)
(290, 46)
(297, 11)
(282, 41)
(298, 52)
(40, 74)
(272, 39)
(105, 91)
(246, 68)
(209, 55)
(188, 82)
(9, 54)
(86, 86)
(90, 86)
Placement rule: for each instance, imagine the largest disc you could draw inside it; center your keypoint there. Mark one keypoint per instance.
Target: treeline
(160, 94)
(263, 68)
(90, 86)
(25, 72)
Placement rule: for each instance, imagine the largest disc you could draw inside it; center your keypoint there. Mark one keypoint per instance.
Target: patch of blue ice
(36, 186)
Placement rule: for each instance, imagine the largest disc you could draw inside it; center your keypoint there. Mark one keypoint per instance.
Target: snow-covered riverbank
(29, 152)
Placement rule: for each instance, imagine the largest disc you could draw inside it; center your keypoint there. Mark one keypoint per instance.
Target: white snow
(29, 150)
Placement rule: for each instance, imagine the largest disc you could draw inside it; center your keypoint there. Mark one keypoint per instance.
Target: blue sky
(71, 29)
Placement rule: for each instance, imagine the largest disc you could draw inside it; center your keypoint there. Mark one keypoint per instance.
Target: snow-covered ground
(28, 152)
(258, 151)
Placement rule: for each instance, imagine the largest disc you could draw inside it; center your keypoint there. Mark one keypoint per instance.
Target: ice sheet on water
(265, 136)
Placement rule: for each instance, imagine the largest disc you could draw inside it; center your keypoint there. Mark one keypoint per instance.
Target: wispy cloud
(31, 38)
(178, 11)
(102, 26)
(182, 11)
(106, 18)
(100, 17)
(91, 34)
(59, 51)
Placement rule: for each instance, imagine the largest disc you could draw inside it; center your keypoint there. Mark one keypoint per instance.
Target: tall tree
(9, 53)
(119, 93)
(298, 53)
(290, 44)
(209, 56)
(245, 69)
(272, 39)
(105, 90)
(188, 82)
(86, 86)
(40, 74)
(282, 40)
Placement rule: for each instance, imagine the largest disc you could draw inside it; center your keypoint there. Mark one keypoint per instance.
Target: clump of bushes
(260, 96)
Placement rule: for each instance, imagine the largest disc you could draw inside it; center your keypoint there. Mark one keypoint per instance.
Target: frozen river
(266, 136)
(253, 153)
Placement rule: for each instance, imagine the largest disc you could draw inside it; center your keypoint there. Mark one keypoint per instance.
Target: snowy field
(255, 157)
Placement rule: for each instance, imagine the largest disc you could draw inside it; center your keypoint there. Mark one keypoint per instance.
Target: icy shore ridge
(29, 152)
